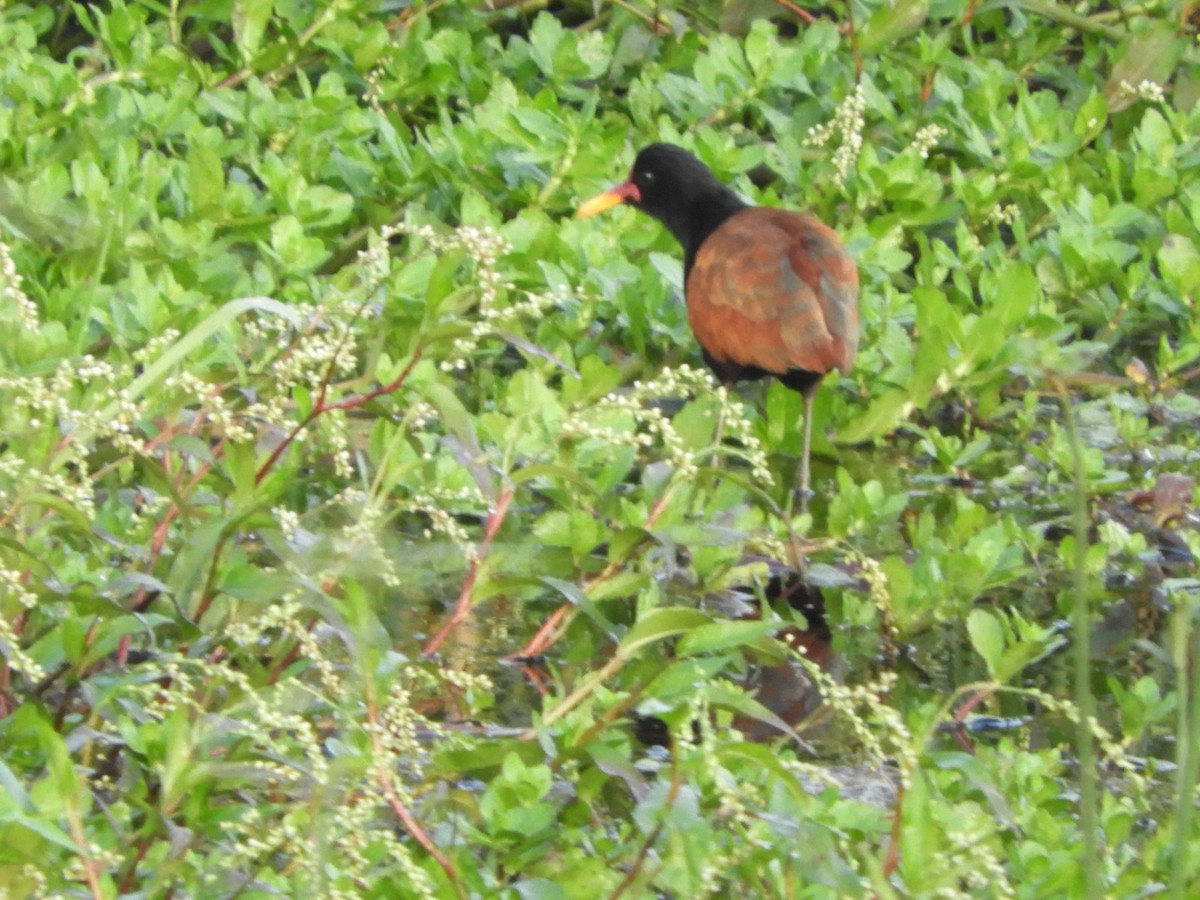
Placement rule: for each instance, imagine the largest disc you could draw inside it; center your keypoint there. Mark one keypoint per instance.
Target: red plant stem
(463, 606)
(163, 529)
(545, 637)
(538, 679)
(411, 825)
(290, 657)
(320, 408)
(974, 700)
(635, 870)
(961, 714)
(802, 14)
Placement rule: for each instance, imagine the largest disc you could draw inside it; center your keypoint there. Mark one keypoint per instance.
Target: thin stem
(1081, 627)
(385, 777)
(320, 408)
(1059, 13)
(801, 14)
(635, 870)
(463, 606)
(1186, 654)
(577, 696)
(551, 631)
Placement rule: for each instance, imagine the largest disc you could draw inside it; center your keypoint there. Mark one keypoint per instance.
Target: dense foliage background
(316, 405)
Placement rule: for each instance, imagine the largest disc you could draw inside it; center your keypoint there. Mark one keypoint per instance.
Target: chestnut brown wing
(775, 290)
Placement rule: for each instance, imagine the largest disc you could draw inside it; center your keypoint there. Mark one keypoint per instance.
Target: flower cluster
(18, 475)
(877, 586)
(926, 139)
(375, 262)
(373, 93)
(437, 503)
(281, 749)
(484, 247)
(52, 402)
(14, 654)
(847, 124)
(629, 417)
(1003, 214)
(1113, 751)
(13, 586)
(11, 292)
(620, 415)
(361, 539)
(988, 874)
(1146, 89)
(736, 423)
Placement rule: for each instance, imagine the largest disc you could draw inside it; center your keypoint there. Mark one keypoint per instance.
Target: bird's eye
(648, 177)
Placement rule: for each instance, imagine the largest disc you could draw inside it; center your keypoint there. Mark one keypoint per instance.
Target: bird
(769, 292)
(788, 691)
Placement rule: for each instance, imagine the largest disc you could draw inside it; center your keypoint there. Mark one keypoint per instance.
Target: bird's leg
(804, 455)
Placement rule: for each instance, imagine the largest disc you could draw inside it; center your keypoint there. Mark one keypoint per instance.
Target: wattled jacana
(769, 292)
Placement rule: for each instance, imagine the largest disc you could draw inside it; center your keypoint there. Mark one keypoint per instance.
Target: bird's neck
(695, 221)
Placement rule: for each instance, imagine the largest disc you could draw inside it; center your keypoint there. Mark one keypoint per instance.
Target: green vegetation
(306, 370)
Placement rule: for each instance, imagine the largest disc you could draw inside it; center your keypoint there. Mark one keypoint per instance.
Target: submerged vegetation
(371, 529)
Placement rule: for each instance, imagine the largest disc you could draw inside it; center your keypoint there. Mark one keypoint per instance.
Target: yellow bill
(622, 193)
(598, 204)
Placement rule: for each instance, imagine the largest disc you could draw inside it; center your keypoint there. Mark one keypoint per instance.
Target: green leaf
(1180, 263)
(453, 415)
(987, 637)
(768, 760)
(14, 792)
(295, 249)
(552, 472)
(624, 543)
(1151, 55)
(885, 413)
(892, 22)
(250, 19)
(207, 179)
(725, 695)
(61, 507)
(241, 463)
(720, 636)
(323, 206)
(1091, 119)
(443, 291)
(622, 584)
(1012, 290)
(980, 778)
(661, 624)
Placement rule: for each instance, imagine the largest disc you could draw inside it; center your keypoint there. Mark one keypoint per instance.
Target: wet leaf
(1172, 497)
(1151, 55)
